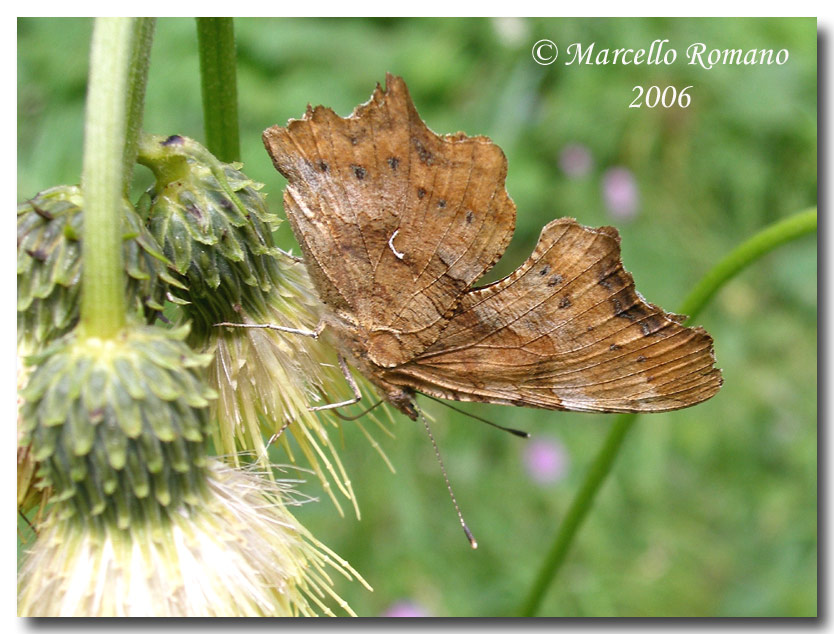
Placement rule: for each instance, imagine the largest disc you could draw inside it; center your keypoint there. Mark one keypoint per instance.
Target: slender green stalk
(137, 81)
(216, 41)
(759, 245)
(763, 242)
(110, 100)
(579, 508)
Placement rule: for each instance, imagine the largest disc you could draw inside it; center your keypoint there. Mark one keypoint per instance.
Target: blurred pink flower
(546, 460)
(619, 189)
(406, 609)
(575, 160)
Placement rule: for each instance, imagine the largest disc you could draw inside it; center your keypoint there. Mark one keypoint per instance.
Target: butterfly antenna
(514, 432)
(466, 530)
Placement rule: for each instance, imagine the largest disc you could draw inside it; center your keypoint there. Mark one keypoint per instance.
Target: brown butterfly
(396, 224)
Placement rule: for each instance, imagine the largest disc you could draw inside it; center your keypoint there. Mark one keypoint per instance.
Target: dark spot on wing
(422, 152)
(614, 347)
(393, 162)
(545, 269)
(556, 279)
(323, 166)
(420, 192)
(564, 302)
(612, 280)
(641, 359)
(470, 217)
(441, 203)
(627, 306)
(652, 324)
(359, 171)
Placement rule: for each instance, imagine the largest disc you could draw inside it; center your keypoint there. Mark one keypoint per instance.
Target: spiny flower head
(215, 228)
(49, 229)
(141, 521)
(119, 425)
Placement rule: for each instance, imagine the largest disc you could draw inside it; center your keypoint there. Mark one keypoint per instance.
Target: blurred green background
(710, 511)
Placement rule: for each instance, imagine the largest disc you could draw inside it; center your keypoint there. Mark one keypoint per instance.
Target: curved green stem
(747, 252)
(119, 46)
(759, 245)
(216, 41)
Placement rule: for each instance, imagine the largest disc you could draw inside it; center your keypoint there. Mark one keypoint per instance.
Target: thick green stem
(216, 41)
(759, 245)
(116, 49)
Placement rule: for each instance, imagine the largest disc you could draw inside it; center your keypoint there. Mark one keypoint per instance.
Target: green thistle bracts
(216, 230)
(119, 426)
(214, 227)
(49, 228)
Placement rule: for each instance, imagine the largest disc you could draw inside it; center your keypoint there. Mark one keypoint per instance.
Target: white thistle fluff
(240, 554)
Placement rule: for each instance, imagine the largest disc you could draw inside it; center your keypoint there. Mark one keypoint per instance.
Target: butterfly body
(353, 345)
(397, 224)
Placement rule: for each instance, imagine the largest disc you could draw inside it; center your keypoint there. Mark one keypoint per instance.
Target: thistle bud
(119, 426)
(215, 227)
(49, 229)
(142, 522)
(31, 492)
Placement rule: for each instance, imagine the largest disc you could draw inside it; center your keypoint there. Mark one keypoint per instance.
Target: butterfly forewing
(399, 222)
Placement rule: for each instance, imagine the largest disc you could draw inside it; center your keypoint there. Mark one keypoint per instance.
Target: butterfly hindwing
(567, 330)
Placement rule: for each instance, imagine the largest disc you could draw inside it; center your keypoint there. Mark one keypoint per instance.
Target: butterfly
(397, 224)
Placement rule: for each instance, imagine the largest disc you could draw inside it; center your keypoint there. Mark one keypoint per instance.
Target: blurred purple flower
(546, 460)
(575, 160)
(406, 609)
(619, 189)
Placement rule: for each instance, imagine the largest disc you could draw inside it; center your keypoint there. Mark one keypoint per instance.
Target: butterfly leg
(294, 258)
(296, 331)
(357, 395)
